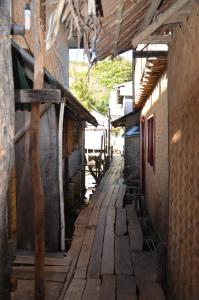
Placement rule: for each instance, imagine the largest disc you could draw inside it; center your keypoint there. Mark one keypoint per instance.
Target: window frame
(151, 141)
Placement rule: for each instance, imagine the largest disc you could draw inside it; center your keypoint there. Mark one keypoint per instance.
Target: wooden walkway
(106, 260)
(107, 257)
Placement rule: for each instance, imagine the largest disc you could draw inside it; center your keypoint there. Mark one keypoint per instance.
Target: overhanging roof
(71, 102)
(127, 23)
(152, 72)
(120, 122)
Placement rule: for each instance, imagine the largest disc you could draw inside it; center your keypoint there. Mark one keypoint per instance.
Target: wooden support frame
(158, 39)
(140, 37)
(120, 8)
(37, 187)
(150, 13)
(38, 96)
(140, 54)
(7, 114)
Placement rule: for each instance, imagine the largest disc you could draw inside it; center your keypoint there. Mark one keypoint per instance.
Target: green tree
(94, 93)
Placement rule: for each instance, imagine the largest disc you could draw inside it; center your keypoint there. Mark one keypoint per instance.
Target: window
(151, 141)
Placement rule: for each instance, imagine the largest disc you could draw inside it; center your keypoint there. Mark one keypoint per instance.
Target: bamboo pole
(38, 195)
(61, 191)
(6, 142)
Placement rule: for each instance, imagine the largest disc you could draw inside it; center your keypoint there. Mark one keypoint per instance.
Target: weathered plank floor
(108, 261)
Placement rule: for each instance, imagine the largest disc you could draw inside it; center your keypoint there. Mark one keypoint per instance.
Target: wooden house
(72, 149)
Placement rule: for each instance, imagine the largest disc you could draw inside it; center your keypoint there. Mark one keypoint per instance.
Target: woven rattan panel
(183, 88)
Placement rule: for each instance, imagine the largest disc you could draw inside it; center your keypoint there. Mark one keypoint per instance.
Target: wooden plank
(101, 197)
(148, 54)
(121, 225)
(139, 38)
(75, 290)
(82, 219)
(38, 96)
(92, 289)
(150, 14)
(107, 263)
(7, 125)
(145, 265)
(158, 39)
(25, 290)
(147, 275)
(58, 269)
(74, 252)
(134, 229)
(126, 288)
(108, 288)
(108, 195)
(152, 291)
(49, 261)
(85, 253)
(37, 187)
(94, 217)
(123, 262)
(120, 197)
(95, 260)
(119, 15)
(114, 196)
(29, 274)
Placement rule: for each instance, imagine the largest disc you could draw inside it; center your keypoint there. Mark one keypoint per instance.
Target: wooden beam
(158, 39)
(140, 54)
(37, 187)
(6, 142)
(119, 13)
(38, 96)
(26, 127)
(140, 37)
(150, 14)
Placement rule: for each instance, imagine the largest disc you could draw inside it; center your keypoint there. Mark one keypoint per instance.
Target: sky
(78, 55)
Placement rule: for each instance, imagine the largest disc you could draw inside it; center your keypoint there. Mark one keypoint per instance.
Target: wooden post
(6, 141)
(38, 196)
(109, 137)
(61, 190)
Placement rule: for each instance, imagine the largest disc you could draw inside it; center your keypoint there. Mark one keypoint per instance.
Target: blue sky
(78, 55)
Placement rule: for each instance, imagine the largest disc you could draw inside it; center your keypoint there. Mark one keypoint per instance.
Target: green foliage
(94, 93)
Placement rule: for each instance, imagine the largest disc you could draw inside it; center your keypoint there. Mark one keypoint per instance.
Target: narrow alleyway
(108, 261)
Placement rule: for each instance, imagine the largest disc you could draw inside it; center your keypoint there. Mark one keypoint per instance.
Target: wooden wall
(49, 169)
(57, 58)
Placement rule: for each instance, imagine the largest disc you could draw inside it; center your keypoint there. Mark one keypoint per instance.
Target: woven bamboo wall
(183, 74)
(156, 179)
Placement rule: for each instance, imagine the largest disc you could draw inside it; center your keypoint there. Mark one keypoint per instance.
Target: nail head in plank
(38, 96)
(126, 288)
